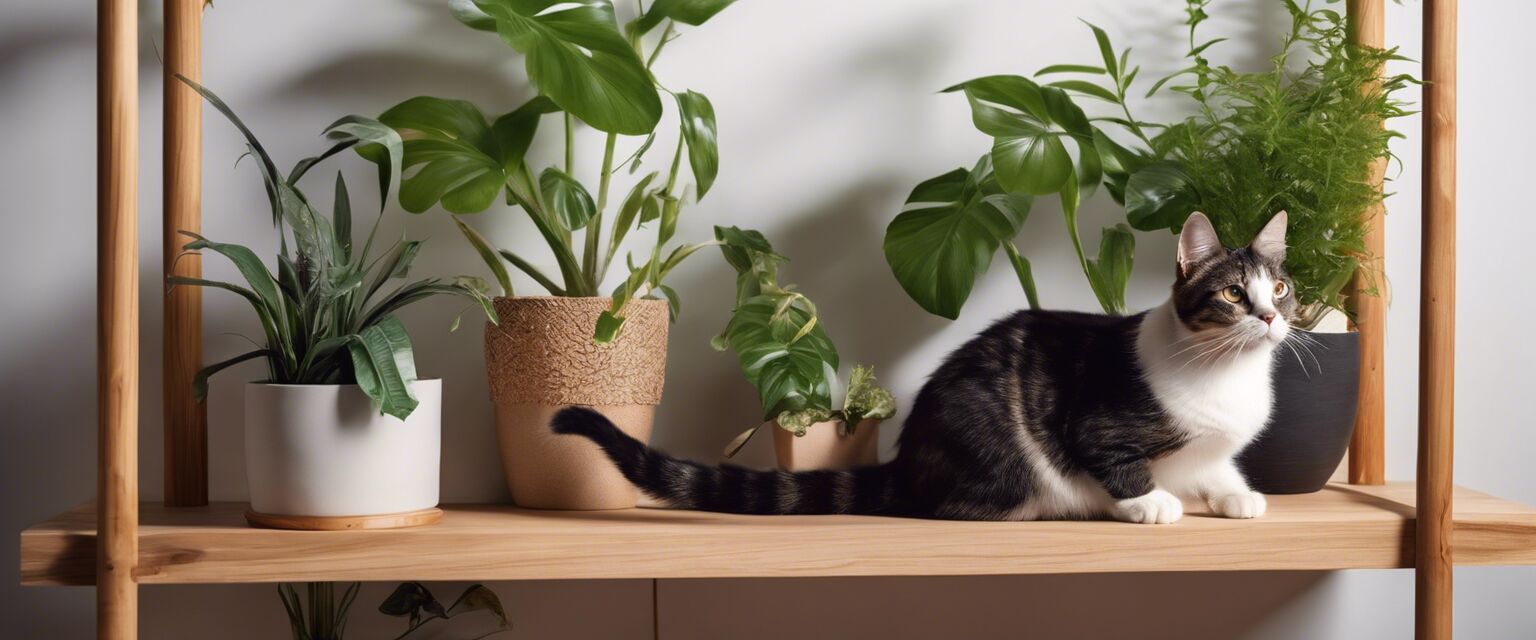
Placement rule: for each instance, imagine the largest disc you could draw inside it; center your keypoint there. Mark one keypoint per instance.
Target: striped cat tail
(730, 489)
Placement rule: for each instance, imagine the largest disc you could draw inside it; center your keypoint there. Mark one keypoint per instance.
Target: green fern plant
(327, 315)
(1299, 136)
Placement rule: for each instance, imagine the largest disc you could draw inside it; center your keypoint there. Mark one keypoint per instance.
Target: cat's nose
(1268, 318)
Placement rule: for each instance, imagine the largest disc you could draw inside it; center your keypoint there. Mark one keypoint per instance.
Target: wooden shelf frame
(1341, 527)
(1391, 532)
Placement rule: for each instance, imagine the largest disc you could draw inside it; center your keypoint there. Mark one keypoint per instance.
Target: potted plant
(341, 433)
(784, 351)
(321, 615)
(1298, 137)
(581, 344)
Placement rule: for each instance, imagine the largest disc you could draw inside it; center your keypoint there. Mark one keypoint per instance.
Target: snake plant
(327, 314)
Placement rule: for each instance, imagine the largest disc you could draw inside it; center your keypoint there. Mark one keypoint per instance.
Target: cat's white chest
(1230, 396)
(1235, 402)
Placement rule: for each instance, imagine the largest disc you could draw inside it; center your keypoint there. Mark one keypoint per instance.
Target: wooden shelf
(1341, 527)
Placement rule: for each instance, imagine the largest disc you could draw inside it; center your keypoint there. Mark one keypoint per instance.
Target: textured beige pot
(822, 448)
(540, 359)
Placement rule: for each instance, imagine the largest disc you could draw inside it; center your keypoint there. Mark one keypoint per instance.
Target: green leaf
(628, 213)
(464, 162)
(1087, 88)
(385, 367)
(341, 218)
(533, 272)
(412, 599)
(268, 168)
(576, 56)
(566, 198)
(466, 12)
(1027, 150)
(789, 374)
(200, 381)
(1070, 68)
(376, 141)
(698, 127)
(1105, 50)
(487, 255)
(674, 303)
(608, 325)
(1166, 79)
(947, 235)
(1159, 196)
(735, 445)
(864, 399)
(1112, 270)
(250, 267)
(480, 598)
(690, 12)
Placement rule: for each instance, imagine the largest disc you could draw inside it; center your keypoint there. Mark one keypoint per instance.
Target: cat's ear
(1197, 243)
(1270, 243)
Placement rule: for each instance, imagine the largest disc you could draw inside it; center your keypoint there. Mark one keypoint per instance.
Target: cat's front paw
(1156, 507)
(1239, 505)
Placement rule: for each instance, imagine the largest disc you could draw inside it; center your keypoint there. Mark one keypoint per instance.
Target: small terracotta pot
(541, 358)
(822, 448)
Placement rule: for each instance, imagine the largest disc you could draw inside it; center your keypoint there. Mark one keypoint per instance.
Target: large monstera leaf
(1029, 125)
(946, 237)
(464, 161)
(578, 58)
(785, 361)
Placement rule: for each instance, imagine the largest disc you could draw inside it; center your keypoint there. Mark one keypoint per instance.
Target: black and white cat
(1051, 415)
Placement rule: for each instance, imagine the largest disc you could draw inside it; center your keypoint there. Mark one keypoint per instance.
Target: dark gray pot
(1314, 415)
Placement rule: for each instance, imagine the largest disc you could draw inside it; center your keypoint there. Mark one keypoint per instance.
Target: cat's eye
(1233, 294)
(1282, 290)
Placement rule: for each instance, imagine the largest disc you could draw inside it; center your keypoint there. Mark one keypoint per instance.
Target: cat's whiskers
(1218, 349)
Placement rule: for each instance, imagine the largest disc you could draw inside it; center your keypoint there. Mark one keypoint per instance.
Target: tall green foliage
(1298, 136)
(587, 69)
(327, 316)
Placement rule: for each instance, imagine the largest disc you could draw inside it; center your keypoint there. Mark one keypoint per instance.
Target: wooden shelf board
(1341, 527)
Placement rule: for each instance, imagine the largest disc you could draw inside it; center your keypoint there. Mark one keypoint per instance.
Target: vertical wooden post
(117, 321)
(1437, 326)
(1367, 447)
(186, 419)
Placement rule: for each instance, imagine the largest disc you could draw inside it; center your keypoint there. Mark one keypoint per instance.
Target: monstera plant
(784, 350)
(588, 71)
(1298, 136)
(953, 224)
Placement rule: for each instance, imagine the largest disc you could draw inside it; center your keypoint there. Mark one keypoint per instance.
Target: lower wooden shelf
(1341, 527)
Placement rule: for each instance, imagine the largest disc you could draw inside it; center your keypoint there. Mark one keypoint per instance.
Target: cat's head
(1244, 294)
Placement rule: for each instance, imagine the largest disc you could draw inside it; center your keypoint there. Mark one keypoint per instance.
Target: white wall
(828, 116)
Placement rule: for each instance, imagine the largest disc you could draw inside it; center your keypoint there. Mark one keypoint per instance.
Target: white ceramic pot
(325, 450)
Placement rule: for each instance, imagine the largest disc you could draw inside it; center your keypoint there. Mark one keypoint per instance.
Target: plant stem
(1022, 269)
(677, 159)
(533, 203)
(593, 267)
(666, 36)
(570, 145)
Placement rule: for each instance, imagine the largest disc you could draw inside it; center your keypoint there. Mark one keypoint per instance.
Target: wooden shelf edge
(1341, 527)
